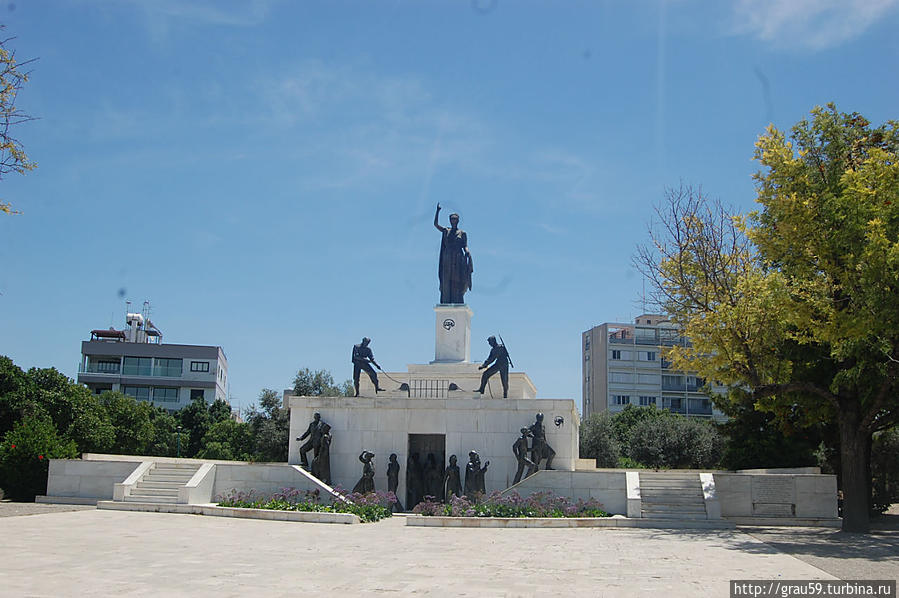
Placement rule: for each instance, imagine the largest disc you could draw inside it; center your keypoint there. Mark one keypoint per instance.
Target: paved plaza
(51, 550)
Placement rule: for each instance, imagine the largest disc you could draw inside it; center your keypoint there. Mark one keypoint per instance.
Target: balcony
(99, 368)
(699, 407)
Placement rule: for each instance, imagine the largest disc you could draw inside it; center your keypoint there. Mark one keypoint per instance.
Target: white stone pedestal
(453, 334)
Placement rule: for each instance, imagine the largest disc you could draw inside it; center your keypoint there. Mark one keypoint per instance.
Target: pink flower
(41, 457)
(12, 446)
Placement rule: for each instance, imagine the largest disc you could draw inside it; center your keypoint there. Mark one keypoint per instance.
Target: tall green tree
(319, 383)
(132, 421)
(799, 301)
(270, 426)
(13, 76)
(597, 440)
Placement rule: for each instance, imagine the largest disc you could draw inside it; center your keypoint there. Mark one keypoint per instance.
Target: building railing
(93, 368)
(652, 341)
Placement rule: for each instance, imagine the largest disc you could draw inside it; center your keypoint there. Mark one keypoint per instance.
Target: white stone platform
(213, 510)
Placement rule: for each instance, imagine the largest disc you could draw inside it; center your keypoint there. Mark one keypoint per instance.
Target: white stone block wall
(264, 478)
(382, 426)
(608, 487)
(801, 495)
(87, 479)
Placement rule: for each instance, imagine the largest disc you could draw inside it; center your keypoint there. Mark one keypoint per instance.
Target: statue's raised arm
(436, 222)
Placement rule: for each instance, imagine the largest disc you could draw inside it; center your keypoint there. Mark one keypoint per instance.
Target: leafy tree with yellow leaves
(12, 77)
(797, 303)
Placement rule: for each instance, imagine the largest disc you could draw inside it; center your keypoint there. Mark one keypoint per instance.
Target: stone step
(142, 491)
(167, 471)
(167, 478)
(679, 516)
(673, 500)
(670, 484)
(150, 499)
(145, 483)
(669, 507)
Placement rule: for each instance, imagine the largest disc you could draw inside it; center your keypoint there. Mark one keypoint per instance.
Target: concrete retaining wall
(265, 478)
(608, 487)
(87, 479)
(804, 496)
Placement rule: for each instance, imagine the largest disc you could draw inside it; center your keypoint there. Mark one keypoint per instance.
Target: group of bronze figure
(497, 361)
(428, 479)
(454, 272)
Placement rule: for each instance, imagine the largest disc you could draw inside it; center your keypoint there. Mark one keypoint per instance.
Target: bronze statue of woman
(455, 266)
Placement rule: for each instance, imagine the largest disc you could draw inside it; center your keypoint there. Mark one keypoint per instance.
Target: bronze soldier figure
(540, 449)
(314, 431)
(362, 360)
(500, 356)
(520, 450)
(321, 463)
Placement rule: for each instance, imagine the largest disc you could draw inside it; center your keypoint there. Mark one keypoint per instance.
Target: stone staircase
(160, 484)
(672, 495)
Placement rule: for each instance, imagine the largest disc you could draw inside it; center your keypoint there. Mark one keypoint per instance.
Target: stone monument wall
(383, 426)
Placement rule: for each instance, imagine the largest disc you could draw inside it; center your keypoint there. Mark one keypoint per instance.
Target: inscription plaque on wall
(773, 509)
(773, 496)
(772, 489)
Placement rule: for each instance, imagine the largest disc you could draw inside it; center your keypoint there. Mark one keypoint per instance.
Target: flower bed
(539, 504)
(368, 507)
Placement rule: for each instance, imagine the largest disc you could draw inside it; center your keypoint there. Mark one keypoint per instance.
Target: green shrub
(597, 440)
(676, 442)
(25, 457)
(369, 507)
(538, 504)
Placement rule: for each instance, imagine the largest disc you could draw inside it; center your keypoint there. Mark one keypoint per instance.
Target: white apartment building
(624, 364)
(135, 362)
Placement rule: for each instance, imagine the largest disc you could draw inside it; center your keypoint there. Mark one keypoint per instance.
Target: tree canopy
(797, 303)
(13, 77)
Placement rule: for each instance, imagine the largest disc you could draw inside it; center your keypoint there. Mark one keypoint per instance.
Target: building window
(199, 366)
(648, 379)
(673, 404)
(621, 400)
(650, 356)
(673, 383)
(647, 401)
(587, 343)
(137, 366)
(621, 377)
(616, 354)
(168, 367)
(196, 393)
(141, 393)
(165, 395)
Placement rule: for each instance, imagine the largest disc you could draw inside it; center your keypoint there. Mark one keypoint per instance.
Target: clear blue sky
(265, 173)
